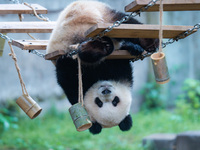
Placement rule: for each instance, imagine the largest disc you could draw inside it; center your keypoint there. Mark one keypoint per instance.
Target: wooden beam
(26, 27)
(42, 44)
(168, 5)
(21, 9)
(117, 54)
(31, 44)
(138, 31)
(54, 55)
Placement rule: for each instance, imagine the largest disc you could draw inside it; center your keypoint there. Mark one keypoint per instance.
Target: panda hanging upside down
(107, 84)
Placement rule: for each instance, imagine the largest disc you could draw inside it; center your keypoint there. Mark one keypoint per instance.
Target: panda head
(108, 104)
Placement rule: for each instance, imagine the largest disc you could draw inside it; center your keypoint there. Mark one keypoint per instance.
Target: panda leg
(94, 51)
(133, 49)
(126, 123)
(95, 128)
(148, 44)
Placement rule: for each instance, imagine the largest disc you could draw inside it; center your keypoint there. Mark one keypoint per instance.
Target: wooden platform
(168, 5)
(26, 27)
(138, 31)
(123, 31)
(21, 9)
(117, 54)
(42, 44)
(31, 44)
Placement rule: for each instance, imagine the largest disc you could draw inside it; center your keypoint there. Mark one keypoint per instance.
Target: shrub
(153, 97)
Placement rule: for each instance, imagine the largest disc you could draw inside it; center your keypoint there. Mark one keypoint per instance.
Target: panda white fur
(107, 84)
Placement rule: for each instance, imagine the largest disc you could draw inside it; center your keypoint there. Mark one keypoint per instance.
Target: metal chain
(15, 1)
(37, 53)
(124, 19)
(141, 57)
(5, 37)
(46, 18)
(181, 36)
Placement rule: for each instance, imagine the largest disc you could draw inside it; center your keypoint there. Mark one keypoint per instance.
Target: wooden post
(160, 67)
(29, 106)
(80, 117)
(2, 43)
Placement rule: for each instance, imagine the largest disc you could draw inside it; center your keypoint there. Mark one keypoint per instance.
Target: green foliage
(56, 131)
(188, 102)
(8, 118)
(153, 97)
(191, 93)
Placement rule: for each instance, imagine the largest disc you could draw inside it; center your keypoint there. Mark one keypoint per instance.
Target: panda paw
(94, 51)
(95, 128)
(126, 123)
(150, 45)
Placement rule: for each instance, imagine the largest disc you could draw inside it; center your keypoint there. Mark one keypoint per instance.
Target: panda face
(108, 102)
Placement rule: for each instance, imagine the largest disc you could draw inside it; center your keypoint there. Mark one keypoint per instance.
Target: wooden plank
(42, 44)
(31, 44)
(117, 54)
(54, 55)
(168, 5)
(26, 27)
(21, 9)
(138, 31)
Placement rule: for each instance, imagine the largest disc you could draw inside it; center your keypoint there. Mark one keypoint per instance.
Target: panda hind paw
(94, 51)
(95, 128)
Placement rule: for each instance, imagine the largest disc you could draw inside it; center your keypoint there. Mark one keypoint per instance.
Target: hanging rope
(24, 91)
(80, 83)
(161, 27)
(35, 13)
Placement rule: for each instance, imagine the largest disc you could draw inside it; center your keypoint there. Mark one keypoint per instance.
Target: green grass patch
(55, 131)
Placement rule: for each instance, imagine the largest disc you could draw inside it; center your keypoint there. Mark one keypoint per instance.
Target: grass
(55, 131)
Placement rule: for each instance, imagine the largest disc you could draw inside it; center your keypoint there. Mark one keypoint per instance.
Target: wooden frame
(21, 9)
(168, 5)
(138, 31)
(26, 27)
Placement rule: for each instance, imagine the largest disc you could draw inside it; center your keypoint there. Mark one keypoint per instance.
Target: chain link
(15, 1)
(45, 18)
(5, 37)
(181, 36)
(124, 19)
(37, 53)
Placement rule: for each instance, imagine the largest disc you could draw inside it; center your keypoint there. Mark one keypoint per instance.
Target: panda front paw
(94, 51)
(150, 45)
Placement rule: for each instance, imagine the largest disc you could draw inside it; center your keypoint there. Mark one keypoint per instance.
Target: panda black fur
(107, 84)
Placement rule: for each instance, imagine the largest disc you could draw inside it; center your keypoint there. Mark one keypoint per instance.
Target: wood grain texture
(26, 27)
(168, 5)
(31, 44)
(138, 31)
(21, 9)
(42, 44)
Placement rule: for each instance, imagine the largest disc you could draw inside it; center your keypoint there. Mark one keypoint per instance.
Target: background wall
(39, 75)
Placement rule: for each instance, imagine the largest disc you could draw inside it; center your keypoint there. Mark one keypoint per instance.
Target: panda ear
(126, 123)
(95, 128)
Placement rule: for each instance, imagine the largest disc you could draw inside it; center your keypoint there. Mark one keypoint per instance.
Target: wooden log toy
(29, 106)
(160, 68)
(80, 117)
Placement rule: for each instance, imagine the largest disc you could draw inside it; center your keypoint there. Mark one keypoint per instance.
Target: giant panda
(107, 84)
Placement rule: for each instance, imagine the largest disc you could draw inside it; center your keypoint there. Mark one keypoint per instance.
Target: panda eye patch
(115, 101)
(98, 102)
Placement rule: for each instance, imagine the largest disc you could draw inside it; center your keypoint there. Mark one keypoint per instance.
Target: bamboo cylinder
(160, 68)
(29, 106)
(80, 117)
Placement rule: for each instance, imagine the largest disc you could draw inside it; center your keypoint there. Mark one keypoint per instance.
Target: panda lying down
(107, 84)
